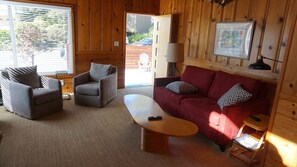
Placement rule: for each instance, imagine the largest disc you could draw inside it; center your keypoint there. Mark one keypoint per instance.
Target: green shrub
(138, 37)
(5, 42)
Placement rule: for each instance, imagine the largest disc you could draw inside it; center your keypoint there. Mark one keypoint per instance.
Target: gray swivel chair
(29, 95)
(97, 87)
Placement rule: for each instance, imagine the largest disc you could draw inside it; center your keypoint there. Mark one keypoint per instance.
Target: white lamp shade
(175, 52)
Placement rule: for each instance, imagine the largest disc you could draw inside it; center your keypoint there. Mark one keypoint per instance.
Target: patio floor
(137, 77)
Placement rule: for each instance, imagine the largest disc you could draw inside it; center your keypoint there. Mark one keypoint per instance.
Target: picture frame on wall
(234, 39)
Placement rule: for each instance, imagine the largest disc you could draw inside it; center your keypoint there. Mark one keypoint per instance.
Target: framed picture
(234, 39)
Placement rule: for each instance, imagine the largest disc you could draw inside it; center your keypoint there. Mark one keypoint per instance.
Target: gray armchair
(95, 91)
(29, 101)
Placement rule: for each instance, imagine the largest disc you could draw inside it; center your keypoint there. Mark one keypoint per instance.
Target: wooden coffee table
(154, 134)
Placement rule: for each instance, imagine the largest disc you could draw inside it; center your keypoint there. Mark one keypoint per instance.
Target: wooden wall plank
(156, 7)
(188, 22)
(83, 25)
(56, 1)
(128, 5)
(147, 7)
(138, 5)
(180, 8)
(73, 2)
(118, 25)
(195, 28)
(289, 86)
(258, 11)
(162, 7)
(142, 6)
(285, 36)
(204, 30)
(106, 26)
(273, 30)
(165, 6)
(215, 17)
(242, 10)
(95, 28)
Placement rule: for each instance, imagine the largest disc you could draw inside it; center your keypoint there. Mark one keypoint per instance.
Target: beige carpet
(86, 137)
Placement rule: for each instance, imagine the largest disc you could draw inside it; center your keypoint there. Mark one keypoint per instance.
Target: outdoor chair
(29, 95)
(144, 62)
(96, 87)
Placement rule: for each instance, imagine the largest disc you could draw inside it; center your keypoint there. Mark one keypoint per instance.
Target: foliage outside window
(36, 35)
(139, 27)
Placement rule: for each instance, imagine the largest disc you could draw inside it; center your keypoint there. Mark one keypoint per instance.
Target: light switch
(116, 43)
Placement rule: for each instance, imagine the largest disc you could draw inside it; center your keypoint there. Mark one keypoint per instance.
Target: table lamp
(175, 54)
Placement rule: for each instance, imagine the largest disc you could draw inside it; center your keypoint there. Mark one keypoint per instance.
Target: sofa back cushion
(199, 77)
(224, 81)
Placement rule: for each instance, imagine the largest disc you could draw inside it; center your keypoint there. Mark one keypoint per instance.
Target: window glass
(36, 35)
(6, 56)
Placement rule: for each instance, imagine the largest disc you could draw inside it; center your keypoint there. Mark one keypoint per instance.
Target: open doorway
(139, 41)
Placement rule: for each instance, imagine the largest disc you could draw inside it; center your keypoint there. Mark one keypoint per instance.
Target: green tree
(5, 41)
(28, 14)
(138, 37)
(29, 41)
(54, 24)
(40, 30)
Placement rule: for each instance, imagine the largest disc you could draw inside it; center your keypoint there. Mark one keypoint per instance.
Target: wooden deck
(132, 55)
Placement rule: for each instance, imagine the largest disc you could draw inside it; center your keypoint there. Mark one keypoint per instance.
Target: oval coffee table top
(141, 107)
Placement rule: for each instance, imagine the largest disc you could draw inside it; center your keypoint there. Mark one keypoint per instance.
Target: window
(32, 34)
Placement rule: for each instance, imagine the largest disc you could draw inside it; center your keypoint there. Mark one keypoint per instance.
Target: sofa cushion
(42, 95)
(172, 97)
(199, 77)
(181, 87)
(204, 108)
(99, 71)
(224, 81)
(233, 96)
(90, 88)
(25, 75)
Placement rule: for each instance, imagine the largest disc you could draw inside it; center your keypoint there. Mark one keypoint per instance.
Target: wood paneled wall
(196, 28)
(282, 132)
(142, 6)
(97, 24)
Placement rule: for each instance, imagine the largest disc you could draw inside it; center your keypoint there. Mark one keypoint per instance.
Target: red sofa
(201, 107)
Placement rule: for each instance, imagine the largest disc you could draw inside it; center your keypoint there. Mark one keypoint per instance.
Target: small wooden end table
(241, 148)
(62, 76)
(154, 134)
